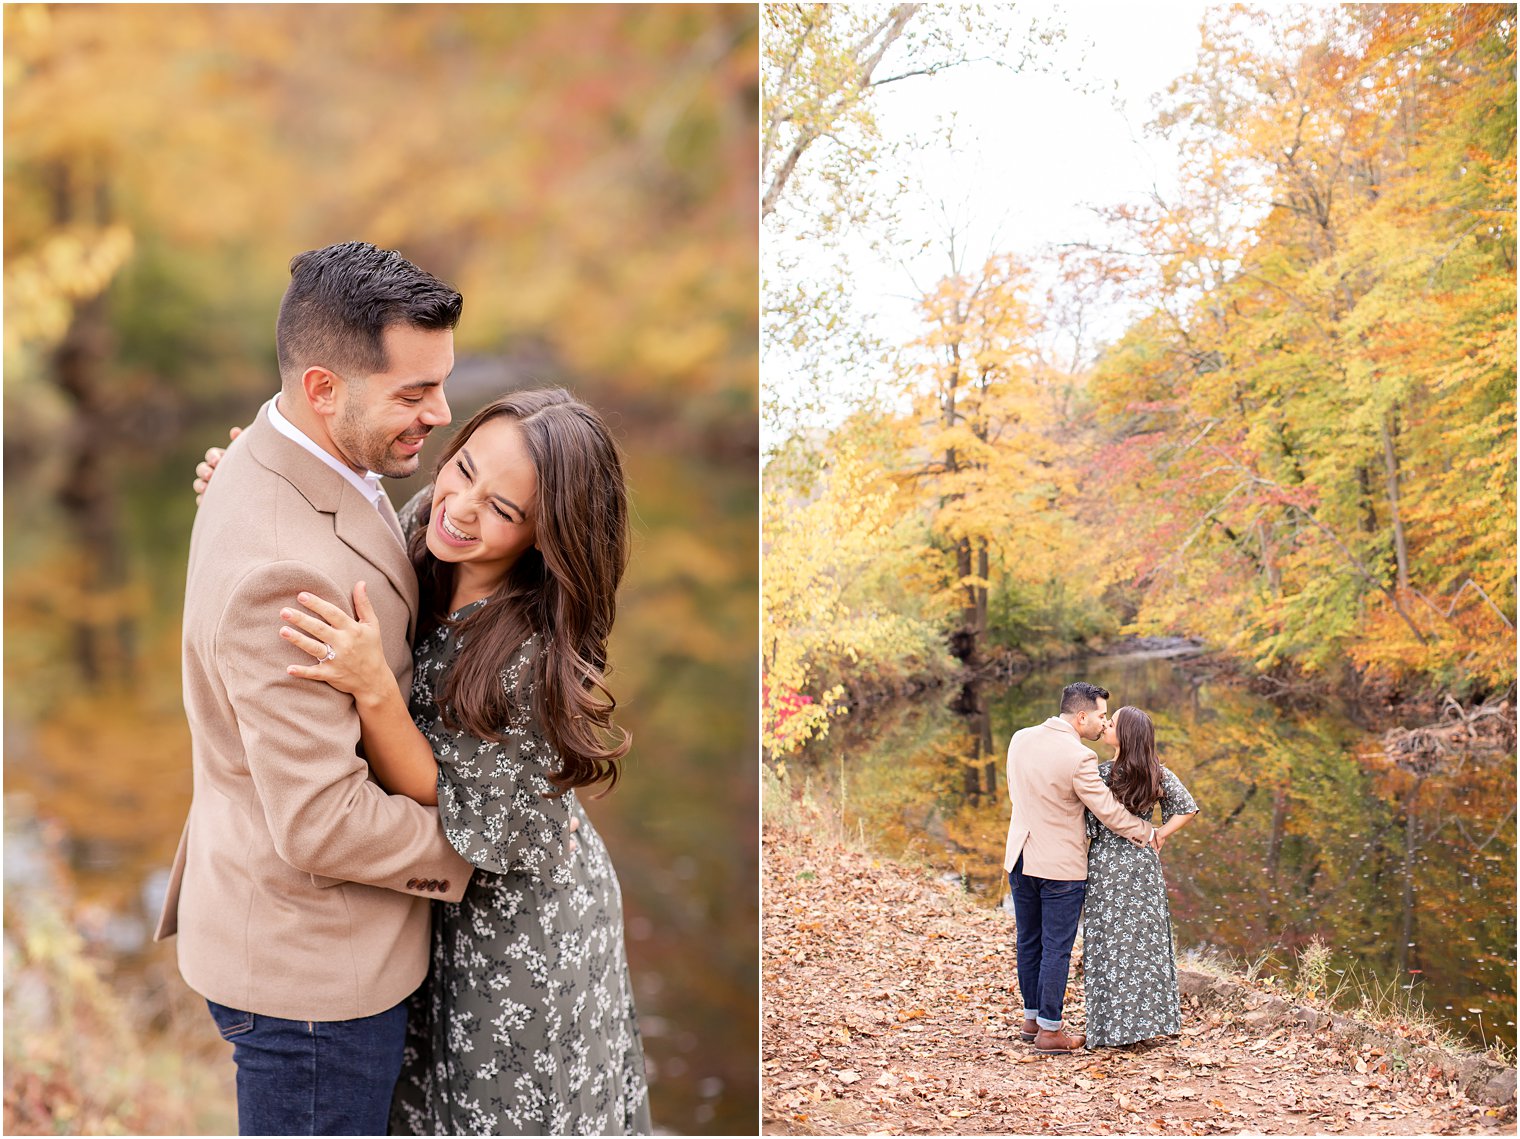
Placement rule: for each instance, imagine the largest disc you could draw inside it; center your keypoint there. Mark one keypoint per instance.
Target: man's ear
(321, 388)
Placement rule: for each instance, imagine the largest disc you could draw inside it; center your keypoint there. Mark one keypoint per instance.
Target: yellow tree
(827, 616)
(994, 469)
(831, 179)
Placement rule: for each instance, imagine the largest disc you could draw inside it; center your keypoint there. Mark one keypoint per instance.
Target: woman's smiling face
(483, 501)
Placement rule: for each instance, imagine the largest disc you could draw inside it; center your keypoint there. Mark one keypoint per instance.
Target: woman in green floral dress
(1129, 967)
(526, 1023)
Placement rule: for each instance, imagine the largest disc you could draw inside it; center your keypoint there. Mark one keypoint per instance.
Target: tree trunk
(104, 629)
(982, 570)
(967, 642)
(104, 632)
(1266, 542)
(1391, 471)
(1369, 506)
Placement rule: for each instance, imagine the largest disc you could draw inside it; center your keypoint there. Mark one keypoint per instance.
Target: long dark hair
(1136, 776)
(564, 590)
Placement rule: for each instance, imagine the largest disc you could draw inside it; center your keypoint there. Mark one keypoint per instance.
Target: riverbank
(1367, 700)
(889, 1007)
(866, 690)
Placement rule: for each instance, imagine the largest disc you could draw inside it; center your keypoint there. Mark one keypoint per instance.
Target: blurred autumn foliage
(1301, 449)
(585, 175)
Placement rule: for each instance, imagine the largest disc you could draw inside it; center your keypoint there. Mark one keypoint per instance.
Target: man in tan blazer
(1052, 775)
(300, 889)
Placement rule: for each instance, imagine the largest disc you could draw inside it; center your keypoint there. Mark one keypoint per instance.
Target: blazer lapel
(388, 512)
(366, 532)
(370, 532)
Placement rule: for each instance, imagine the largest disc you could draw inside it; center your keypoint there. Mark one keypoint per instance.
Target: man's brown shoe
(1029, 1031)
(1057, 1043)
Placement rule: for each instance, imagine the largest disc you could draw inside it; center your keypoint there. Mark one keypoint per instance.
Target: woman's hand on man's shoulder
(207, 466)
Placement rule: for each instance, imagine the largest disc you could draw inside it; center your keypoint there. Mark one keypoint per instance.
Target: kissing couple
(1082, 832)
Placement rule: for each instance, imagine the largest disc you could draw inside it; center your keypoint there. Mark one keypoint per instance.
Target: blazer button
(444, 885)
(433, 884)
(411, 883)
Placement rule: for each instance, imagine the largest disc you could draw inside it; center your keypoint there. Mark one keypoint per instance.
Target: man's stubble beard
(368, 447)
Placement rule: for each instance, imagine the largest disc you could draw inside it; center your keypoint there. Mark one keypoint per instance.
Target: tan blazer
(1052, 775)
(300, 888)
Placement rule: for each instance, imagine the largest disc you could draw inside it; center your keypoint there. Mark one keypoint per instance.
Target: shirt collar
(367, 484)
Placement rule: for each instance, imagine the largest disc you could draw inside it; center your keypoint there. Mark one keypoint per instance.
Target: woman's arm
(1168, 828)
(1177, 806)
(398, 754)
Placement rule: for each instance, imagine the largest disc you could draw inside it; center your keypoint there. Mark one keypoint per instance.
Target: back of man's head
(340, 301)
(1081, 697)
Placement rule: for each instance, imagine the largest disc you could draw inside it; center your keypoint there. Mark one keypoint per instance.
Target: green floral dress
(526, 1023)
(1129, 965)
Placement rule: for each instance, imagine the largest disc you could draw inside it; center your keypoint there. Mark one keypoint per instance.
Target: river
(1304, 829)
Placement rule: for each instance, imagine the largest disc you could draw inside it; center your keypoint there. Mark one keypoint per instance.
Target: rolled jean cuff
(1031, 1014)
(1049, 1025)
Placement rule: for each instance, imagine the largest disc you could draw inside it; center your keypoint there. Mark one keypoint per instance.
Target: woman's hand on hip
(346, 653)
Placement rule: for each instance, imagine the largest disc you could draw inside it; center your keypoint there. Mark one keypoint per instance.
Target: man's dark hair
(342, 298)
(1081, 697)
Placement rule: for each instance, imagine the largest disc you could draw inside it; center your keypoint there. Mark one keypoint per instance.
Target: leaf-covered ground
(890, 1006)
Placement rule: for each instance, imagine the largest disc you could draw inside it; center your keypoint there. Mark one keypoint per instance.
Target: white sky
(1032, 149)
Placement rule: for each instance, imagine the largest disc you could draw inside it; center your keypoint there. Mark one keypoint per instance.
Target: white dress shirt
(367, 484)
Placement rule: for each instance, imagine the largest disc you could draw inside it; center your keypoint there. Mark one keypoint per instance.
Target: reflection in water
(1304, 828)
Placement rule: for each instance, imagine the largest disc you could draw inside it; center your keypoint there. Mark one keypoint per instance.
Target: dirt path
(889, 1007)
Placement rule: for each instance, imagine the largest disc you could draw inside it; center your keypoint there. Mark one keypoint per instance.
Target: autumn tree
(829, 180)
(832, 611)
(990, 468)
(1278, 407)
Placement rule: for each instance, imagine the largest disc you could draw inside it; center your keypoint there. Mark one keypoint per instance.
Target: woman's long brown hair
(1136, 776)
(564, 589)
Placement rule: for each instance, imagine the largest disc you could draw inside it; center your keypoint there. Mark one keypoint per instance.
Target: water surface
(1304, 828)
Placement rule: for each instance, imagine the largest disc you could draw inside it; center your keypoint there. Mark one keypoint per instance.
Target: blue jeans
(322, 1077)
(1045, 913)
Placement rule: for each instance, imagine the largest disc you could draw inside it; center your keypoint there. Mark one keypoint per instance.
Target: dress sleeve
(415, 513)
(1175, 799)
(495, 800)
